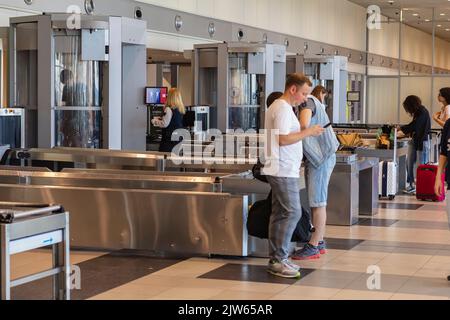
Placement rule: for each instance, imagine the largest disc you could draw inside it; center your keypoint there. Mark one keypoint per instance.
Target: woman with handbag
(320, 153)
(442, 116)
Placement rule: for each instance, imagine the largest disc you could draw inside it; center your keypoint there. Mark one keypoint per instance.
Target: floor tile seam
(357, 278)
(109, 292)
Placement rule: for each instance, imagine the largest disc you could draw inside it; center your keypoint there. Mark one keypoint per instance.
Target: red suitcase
(426, 178)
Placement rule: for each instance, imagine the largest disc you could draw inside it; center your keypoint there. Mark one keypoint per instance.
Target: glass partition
(78, 95)
(418, 86)
(416, 62)
(382, 100)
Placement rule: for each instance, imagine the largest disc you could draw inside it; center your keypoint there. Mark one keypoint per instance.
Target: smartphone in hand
(327, 125)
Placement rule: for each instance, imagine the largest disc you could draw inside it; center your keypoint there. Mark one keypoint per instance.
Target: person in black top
(172, 120)
(443, 162)
(418, 130)
(444, 165)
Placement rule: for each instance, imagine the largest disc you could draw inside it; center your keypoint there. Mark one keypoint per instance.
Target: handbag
(319, 149)
(257, 174)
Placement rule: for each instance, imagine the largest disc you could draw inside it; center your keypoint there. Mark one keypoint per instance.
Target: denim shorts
(317, 181)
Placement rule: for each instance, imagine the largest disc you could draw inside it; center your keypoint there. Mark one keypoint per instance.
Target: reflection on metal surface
(120, 179)
(93, 157)
(164, 221)
(109, 159)
(78, 128)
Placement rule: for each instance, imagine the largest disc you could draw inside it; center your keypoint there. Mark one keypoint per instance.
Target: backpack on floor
(259, 219)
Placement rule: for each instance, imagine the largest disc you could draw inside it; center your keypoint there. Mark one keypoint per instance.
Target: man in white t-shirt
(282, 168)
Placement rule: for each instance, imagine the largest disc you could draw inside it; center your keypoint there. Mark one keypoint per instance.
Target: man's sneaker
(292, 265)
(282, 269)
(322, 247)
(309, 252)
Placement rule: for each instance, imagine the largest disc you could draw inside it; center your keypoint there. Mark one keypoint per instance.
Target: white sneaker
(292, 265)
(282, 269)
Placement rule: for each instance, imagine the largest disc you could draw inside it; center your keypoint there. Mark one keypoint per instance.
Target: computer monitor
(156, 95)
(353, 96)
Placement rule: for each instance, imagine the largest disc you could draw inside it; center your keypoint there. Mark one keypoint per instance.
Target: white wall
(331, 21)
(6, 13)
(151, 75)
(382, 102)
(442, 54)
(185, 84)
(416, 46)
(167, 41)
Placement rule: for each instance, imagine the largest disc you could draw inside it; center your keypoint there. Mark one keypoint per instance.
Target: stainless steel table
(26, 228)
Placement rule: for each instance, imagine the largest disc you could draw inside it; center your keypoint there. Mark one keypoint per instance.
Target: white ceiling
(417, 13)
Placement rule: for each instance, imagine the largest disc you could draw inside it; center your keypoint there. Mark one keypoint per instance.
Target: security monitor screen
(156, 95)
(353, 96)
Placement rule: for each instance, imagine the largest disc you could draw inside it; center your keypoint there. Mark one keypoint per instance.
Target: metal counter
(167, 222)
(124, 160)
(398, 155)
(127, 179)
(88, 157)
(353, 191)
(148, 206)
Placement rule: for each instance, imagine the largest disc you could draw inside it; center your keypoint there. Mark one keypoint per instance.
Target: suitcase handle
(428, 169)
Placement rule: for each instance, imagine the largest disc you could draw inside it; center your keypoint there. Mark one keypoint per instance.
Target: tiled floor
(408, 241)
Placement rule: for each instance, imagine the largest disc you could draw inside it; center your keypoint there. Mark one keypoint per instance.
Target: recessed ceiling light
(428, 20)
(442, 14)
(415, 14)
(439, 25)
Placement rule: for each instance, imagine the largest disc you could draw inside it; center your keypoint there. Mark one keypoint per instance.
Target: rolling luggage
(426, 177)
(388, 180)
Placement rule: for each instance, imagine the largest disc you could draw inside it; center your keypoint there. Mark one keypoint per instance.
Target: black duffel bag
(259, 219)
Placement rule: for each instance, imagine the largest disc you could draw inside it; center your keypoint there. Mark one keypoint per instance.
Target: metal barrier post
(5, 277)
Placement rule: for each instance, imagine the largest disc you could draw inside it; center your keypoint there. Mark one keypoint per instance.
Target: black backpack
(259, 218)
